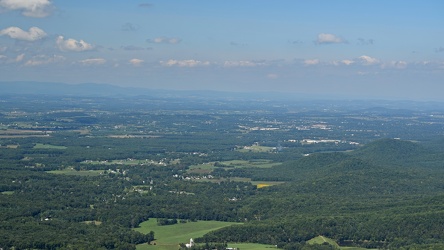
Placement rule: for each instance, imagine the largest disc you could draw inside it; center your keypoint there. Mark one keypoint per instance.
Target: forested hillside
(380, 195)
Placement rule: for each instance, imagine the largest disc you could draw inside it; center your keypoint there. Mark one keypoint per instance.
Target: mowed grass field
(322, 239)
(169, 237)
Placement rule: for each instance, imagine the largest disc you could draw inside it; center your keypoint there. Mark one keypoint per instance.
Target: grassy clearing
(258, 184)
(10, 146)
(7, 192)
(260, 163)
(207, 168)
(71, 171)
(257, 149)
(48, 146)
(321, 240)
(169, 237)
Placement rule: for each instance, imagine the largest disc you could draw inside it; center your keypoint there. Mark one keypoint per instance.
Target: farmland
(170, 236)
(87, 172)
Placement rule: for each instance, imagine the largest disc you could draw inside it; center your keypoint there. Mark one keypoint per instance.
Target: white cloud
(324, 38)
(33, 34)
(343, 62)
(347, 62)
(166, 40)
(19, 58)
(93, 61)
(242, 64)
(136, 62)
(367, 60)
(72, 45)
(44, 59)
(184, 63)
(30, 8)
(395, 65)
(311, 61)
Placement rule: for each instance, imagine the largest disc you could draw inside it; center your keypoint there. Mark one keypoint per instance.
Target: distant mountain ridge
(52, 88)
(377, 107)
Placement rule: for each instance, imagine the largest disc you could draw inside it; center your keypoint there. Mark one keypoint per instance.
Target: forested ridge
(351, 198)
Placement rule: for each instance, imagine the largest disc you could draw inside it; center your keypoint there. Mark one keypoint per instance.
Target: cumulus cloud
(92, 61)
(44, 59)
(311, 62)
(343, 62)
(19, 58)
(72, 45)
(165, 40)
(33, 34)
(136, 62)
(184, 63)
(324, 38)
(347, 62)
(30, 8)
(367, 60)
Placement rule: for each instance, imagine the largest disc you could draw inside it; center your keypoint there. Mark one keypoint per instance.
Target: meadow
(170, 236)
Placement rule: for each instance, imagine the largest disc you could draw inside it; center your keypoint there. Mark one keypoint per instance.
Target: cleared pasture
(169, 237)
(208, 167)
(257, 149)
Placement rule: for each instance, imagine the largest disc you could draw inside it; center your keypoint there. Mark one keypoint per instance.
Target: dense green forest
(82, 173)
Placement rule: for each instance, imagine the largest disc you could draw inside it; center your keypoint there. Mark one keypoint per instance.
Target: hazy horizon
(373, 49)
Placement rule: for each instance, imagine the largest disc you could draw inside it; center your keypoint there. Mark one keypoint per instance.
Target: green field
(169, 237)
(257, 149)
(70, 171)
(48, 146)
(7, 192)
(322, 239)
(260, 163)
(207, 168)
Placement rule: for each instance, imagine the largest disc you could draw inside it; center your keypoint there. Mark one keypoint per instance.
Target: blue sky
(363, 49)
